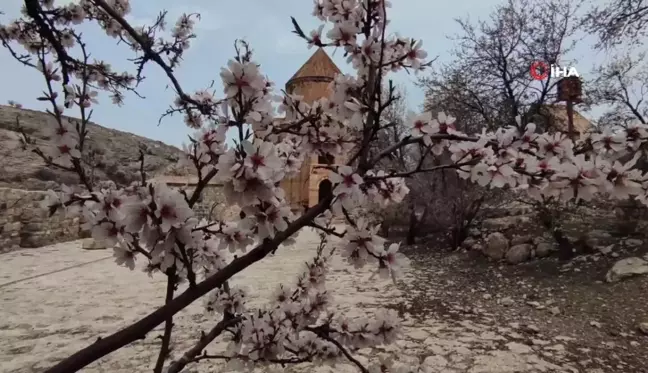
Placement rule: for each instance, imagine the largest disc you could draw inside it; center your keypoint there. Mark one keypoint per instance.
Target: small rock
(418, 335)
(474, 232)
(643, 327)
(519, 348)
(543, 249)
(533, 329)
(634, 343)
(609, 344)
(496, 245)
(595, 324)
(626, 268)
(519, 240)
(435, 361)
(633, 242)
(498, 224)
(592, 241)
(599, 234)
(605, 249)
(519, 253)
(508, 301)
(468, 243)
(554, 310)
(91, 244)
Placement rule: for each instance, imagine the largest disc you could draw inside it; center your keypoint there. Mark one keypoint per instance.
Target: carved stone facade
(311, 82)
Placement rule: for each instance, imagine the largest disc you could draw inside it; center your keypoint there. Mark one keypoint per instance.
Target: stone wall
(514, 232)
(212, 205)
(23, 223)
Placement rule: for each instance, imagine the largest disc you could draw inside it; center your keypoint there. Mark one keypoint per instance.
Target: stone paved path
(57, 299)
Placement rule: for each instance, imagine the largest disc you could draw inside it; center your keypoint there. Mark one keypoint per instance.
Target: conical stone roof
(318, 68)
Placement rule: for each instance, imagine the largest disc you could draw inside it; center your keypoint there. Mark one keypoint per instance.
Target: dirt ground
(542, 300)
(57, 299)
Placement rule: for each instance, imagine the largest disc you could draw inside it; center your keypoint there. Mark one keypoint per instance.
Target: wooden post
(570, 119)
(570, 91)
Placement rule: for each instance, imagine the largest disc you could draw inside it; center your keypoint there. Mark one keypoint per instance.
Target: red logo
(539, 70)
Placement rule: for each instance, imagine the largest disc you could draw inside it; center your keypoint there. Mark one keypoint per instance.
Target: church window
(325, 159)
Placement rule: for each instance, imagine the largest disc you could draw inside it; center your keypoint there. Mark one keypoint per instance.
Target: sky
(266, 25)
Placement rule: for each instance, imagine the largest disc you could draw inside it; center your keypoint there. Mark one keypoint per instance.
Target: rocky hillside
(114, 153)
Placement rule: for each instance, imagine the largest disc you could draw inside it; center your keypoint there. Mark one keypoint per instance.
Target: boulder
(599, 234)
(468, 243)
(546, 237)
(627, 267)
(543, 249)
(633, 242)
(519, 253)
(519, 240)
(496, 245)
(589, 241)
(91, 244)
(499, 224)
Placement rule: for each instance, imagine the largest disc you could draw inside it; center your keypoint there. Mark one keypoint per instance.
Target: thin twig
(168, 326)
(331, 231)
(344, 351)
(294, 360)
(205, 340)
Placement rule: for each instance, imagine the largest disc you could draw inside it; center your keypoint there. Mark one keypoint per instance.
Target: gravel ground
(562, 311)
(58, 299)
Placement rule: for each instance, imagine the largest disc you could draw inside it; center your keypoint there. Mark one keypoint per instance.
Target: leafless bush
(439, 202)
(456, 205)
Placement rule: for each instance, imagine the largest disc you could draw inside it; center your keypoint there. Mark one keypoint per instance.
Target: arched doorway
(325, 190)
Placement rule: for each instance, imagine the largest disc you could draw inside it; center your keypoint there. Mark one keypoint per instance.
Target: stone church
(311, 82)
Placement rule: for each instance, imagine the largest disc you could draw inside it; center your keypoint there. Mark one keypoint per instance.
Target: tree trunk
(413, 227)
(384, 230)
(565, 249)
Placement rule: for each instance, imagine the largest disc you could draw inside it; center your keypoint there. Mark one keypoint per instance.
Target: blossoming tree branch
(155, 224)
